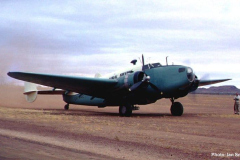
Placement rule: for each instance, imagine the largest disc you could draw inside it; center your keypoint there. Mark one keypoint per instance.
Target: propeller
(205, 76)
(203, 82)
(137, 85)
(144, 81)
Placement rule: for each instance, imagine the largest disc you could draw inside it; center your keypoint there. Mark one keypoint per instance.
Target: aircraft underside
(82, 99)
(126, 105)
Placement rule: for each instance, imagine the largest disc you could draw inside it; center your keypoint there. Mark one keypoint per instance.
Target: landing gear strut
(176, 108)
(125, 110)
(66, 107)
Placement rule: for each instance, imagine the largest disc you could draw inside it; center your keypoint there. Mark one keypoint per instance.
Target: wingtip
(227, 79)
(9, 74)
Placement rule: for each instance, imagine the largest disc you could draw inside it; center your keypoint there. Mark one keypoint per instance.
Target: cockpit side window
(181, 70)
(145, 67)
(151, 65)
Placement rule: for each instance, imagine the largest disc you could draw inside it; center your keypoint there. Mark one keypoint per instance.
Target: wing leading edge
(97, 87)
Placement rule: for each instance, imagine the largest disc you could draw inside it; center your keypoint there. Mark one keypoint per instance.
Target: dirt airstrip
(208, 129)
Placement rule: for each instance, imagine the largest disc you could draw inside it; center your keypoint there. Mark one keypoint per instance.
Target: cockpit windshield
(151, 65)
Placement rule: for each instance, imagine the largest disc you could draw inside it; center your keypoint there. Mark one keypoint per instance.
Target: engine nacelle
(194, 85)
(128, 80)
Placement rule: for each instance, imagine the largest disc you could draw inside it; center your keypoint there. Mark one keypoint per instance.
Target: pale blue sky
(88, 37)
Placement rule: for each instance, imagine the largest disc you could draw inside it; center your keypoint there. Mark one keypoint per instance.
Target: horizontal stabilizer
(51, 92)
(31, 91)
(208, 82)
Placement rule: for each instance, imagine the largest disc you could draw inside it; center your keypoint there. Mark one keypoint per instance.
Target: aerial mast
(167, 60)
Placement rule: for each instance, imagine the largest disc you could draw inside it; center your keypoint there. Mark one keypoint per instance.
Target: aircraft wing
(96, 87)
(208, 82)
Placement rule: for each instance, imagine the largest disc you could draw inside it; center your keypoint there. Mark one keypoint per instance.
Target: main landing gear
(66, 107)
(126, 110)
(176, 108)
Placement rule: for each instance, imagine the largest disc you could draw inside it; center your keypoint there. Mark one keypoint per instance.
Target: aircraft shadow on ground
(79, 112)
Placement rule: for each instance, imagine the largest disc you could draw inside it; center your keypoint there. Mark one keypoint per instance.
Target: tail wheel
(66, 107)
(125, 110)
(176, 109)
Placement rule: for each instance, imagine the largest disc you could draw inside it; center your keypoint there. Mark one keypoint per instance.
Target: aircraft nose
(190, 74)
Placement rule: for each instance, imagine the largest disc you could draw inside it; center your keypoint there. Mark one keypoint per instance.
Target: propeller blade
(146, 80)
(205, 76)
(139, 84)
(136, 86)
(154, 87)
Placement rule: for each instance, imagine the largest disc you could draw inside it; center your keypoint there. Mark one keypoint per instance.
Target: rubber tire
(66, 107)
(176, 109)
(125, 110)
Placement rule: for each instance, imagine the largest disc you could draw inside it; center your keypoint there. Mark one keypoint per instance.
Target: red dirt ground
(208, 129)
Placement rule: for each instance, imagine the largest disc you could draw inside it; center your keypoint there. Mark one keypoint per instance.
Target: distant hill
(227, 90)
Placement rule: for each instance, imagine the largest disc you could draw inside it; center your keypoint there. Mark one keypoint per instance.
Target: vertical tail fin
(30, 91)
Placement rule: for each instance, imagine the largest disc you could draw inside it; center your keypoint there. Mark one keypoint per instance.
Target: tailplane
(31, 91)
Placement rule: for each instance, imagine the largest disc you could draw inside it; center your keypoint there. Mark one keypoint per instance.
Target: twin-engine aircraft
(140, 85)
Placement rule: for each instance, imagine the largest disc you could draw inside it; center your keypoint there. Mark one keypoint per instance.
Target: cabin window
(181, 70)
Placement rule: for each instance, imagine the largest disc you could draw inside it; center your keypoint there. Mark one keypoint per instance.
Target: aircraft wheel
(66, 107)
(176, 109)
(125, 110)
